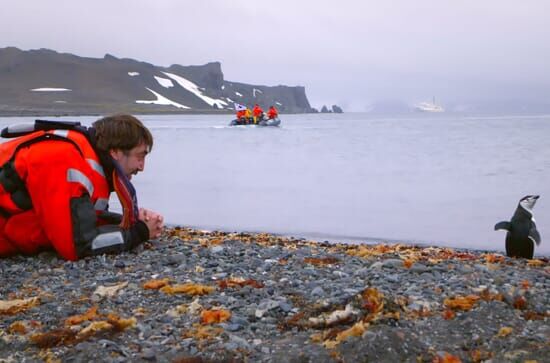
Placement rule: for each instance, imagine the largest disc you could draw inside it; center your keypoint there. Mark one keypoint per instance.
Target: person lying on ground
(55, 182)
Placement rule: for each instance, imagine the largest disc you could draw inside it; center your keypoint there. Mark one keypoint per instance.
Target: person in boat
(248, 116)
(55, 182)
(257, 113)
(272, 113)
(241, 116)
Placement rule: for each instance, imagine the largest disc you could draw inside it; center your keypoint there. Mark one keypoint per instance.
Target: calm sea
(436, 179)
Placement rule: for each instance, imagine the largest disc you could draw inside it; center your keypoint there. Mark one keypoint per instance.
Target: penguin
(522, 232)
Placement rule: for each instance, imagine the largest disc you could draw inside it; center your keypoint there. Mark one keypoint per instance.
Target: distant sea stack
(44, 82)
(335, 109)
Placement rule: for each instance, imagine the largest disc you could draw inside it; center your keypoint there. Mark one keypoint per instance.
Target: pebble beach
(210, 296)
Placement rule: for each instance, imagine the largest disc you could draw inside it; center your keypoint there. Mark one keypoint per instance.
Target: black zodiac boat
(264, 122)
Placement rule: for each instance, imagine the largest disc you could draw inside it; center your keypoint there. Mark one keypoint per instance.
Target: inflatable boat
(264, 122)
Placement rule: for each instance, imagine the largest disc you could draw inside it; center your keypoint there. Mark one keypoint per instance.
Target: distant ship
(428, 107)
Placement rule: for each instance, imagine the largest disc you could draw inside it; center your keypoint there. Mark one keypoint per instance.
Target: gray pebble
(318, 291)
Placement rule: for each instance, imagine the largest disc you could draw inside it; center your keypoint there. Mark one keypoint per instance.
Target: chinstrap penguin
(522, 232)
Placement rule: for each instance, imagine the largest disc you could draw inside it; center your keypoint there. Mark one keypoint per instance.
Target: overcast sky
(346, 52)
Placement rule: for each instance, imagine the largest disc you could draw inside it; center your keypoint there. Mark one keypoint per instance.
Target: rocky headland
(44, 82)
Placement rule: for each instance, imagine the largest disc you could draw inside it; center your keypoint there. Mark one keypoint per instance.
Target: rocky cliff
(46, 82)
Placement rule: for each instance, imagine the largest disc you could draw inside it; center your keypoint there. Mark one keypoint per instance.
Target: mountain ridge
(110, 84)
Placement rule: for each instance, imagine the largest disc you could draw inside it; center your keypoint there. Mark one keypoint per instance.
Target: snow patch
(133, 74)
(238, 94)
(164, 82)
(59, 101)
(279, 103)
(161, 100)
(223, 87)
(254, 90)
(49, 89)
(193, 88)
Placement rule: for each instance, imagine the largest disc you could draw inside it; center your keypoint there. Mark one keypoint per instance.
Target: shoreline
(354, 240)
(52, 113)
(217, 296)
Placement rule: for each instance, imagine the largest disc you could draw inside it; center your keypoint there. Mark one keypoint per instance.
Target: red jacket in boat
(272, 113)
(241, 114)
(257, 111)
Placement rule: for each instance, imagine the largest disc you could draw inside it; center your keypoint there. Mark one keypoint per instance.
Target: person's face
(132, 161)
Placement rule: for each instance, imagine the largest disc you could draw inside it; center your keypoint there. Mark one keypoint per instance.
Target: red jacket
(241, 114)
(54, 194)
(272, 113)
(257, 111)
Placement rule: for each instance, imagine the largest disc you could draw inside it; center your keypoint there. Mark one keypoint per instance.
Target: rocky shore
(196, 296)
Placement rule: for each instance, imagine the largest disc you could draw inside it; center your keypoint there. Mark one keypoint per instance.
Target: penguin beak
(535, 197)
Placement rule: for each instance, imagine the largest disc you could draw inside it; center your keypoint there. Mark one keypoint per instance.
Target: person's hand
(153, 220)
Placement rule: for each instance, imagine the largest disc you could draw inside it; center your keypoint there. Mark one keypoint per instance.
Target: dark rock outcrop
(111, 84)
(337, 109)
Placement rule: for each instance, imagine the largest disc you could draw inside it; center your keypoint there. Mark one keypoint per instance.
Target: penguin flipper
(502, 225)
(534, 235)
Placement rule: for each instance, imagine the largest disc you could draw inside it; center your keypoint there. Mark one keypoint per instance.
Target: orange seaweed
(215, 316)
(78, 319)
(224, 284)
(446, 358)
(17, 327)
(461, 303)
(189, 289)
(448, 314)
(156, 284)
(520, 303)
(321, 261)
(12, 307)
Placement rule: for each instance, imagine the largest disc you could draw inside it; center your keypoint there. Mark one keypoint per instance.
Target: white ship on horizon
(428, 107)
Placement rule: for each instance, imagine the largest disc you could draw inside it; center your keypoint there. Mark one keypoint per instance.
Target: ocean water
(435, 179)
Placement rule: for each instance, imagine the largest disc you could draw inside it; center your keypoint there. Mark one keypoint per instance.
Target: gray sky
(348, 52)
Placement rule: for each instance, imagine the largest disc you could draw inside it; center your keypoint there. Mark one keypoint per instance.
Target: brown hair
(121, 132)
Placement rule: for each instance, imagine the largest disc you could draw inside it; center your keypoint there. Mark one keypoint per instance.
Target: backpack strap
(40, 125)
